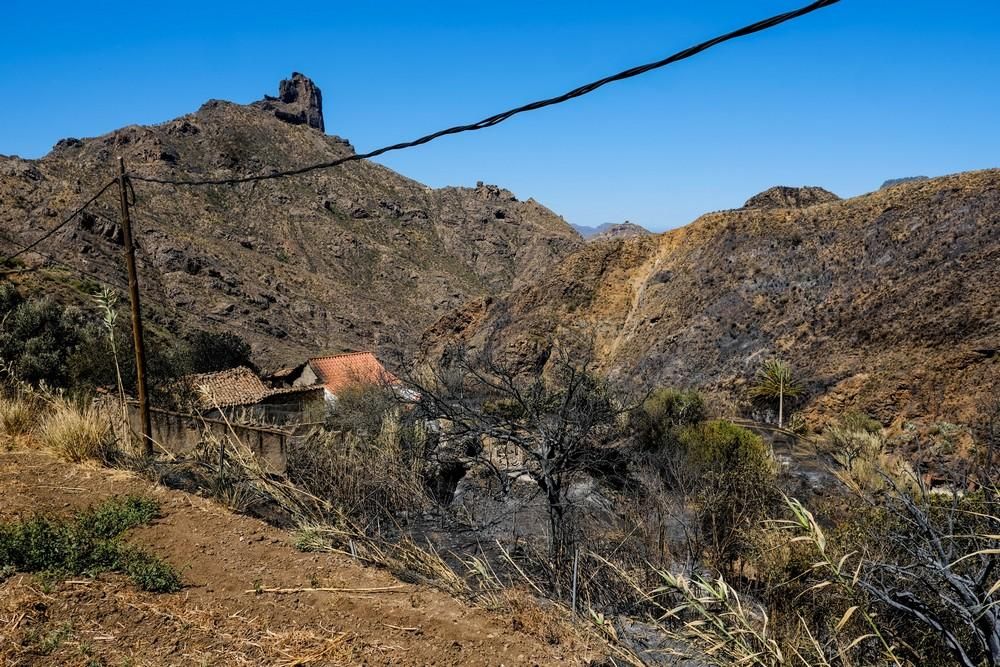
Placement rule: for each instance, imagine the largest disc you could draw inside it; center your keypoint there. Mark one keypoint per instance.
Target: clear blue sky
(845, 98)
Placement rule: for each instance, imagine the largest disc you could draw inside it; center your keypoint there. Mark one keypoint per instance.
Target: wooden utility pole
(133, 293)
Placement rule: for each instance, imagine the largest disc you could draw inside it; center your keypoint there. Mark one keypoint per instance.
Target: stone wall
(180, 434)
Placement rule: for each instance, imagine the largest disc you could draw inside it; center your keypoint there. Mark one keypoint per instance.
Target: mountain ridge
(347, 258)
(879, 302)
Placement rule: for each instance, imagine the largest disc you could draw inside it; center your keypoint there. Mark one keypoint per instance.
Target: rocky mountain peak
(620, 231)
(611, 230)
(783, 196)
(494, 192)
(893, 182)
(299, 102)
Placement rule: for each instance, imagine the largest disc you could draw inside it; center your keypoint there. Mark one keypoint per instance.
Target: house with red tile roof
(240, 391)
(338, 372)
(227, 389)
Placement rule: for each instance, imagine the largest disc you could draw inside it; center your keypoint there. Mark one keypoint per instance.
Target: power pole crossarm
(133, 293)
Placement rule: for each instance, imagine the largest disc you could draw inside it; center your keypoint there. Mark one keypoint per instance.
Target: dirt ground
(219, 618)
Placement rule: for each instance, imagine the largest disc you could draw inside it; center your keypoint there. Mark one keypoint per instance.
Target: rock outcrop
(785, 197)
(611, 229)
(620, 231)
(299, 102)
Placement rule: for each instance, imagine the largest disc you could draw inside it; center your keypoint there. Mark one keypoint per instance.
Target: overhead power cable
(501, 117)
(62, 224)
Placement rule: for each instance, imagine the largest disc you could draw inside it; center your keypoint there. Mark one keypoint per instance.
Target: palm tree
(775, 381)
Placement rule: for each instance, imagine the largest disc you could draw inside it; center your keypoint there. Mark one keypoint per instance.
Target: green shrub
(210, 352)
(87, 544)
(723, 446)
(37, 338)
(148, 572)
(735, 481)
(663, 413)
(116, 516)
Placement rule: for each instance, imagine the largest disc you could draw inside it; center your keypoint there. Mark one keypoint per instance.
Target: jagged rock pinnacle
(299, 102)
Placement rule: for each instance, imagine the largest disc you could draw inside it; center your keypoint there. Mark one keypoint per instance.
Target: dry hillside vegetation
(884, 304)
(319, 262)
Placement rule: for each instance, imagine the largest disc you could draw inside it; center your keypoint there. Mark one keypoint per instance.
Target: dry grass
(325, 526)
(369, 479)
(859, 449)
(18, 418)
(77, 433)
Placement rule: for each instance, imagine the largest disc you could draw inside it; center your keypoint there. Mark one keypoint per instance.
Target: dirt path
(213, 620)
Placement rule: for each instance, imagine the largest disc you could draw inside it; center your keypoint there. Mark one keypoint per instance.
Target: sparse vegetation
(692, 534)
(560, 426)
(87, 544)
(371, 466)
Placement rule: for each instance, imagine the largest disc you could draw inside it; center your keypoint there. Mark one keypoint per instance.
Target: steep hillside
(340, 258)
(888, 302)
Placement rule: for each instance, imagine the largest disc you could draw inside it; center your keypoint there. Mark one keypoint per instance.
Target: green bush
(735, 478)
(37, 337)
(723, 446)
(88, 544)
(663, 413)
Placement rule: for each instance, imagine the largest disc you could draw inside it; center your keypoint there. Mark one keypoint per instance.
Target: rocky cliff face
(886, 303)
(349, 257)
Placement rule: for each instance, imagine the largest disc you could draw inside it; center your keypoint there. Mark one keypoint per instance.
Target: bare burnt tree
(933, 561)
(558, 415)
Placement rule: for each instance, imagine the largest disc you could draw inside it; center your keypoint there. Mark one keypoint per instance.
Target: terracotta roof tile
(223, 389)
(339, 371)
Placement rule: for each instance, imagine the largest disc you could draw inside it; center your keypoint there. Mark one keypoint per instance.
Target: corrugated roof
(340, 371)
(229, 388)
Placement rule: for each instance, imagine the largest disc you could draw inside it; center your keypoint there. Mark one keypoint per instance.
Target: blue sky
(844, 98)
